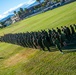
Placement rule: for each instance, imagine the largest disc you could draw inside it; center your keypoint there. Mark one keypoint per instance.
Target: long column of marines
(43, 39)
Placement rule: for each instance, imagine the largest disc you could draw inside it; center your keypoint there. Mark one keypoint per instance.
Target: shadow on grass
(1, 57)
(69, 51)
(70, 48)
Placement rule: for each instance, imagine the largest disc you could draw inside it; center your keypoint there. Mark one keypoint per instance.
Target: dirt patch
(23, 56)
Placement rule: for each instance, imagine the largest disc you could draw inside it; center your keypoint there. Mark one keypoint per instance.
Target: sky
(6, 6)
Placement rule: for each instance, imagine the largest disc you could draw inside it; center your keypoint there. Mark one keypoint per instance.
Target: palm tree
(55, 0)
(15, 12)
(43, 4)
(46, 0)
(26, 10)
(21, 10)
(19, 13)
(39, 2)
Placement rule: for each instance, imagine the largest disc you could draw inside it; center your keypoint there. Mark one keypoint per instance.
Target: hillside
(16, 60)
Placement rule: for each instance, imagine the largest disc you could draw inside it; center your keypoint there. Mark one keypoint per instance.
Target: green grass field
(16, 60)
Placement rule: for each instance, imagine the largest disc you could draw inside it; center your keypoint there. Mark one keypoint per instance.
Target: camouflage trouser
(59, 47)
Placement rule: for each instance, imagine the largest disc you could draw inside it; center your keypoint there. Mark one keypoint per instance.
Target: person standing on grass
(68, 33)
(72, 30)
(40, 43)
(63, 39)
(45, 43)
(57, 44)
(74, 26)
(58, 30)
(50, 36)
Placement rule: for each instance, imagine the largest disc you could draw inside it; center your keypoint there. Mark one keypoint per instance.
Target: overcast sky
(7, 6)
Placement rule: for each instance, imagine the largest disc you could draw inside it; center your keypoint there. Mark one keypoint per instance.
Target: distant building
(0, 25)
(15, 18)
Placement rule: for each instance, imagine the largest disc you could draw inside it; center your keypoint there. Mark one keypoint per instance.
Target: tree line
(41, 4)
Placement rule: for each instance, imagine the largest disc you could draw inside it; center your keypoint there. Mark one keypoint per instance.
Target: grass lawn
(16, 60)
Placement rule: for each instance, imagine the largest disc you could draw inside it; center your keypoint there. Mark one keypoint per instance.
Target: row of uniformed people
(42, 39)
